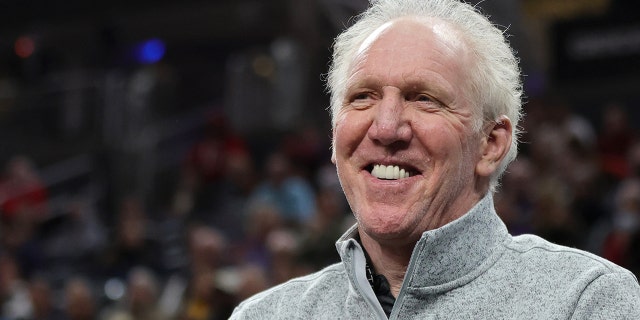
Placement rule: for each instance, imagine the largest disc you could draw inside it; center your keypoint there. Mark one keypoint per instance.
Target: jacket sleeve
(610, 296)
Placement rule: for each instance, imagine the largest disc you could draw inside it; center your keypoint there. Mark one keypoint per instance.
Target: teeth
(389, 172)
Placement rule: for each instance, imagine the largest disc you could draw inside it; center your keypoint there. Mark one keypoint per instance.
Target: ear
(494, 145)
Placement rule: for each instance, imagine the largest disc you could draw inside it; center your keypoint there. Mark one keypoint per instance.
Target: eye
(361, 96)
(361, 100)
(420, 97)
(423, 98)
(424, 101)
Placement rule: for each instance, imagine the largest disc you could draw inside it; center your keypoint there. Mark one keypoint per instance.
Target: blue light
(150, 51)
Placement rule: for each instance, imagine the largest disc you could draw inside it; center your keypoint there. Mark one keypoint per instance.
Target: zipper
(406, 280)
(362, 284)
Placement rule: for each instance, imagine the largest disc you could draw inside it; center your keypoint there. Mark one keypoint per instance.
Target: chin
(387, 228)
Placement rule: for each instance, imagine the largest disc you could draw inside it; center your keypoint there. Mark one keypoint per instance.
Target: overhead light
(150, 51)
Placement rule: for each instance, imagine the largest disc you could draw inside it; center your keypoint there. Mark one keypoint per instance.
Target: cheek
(339, 140)
(348, 133)
(446, 141)
(435, 135)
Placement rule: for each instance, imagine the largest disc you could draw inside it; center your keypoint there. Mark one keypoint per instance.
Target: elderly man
(425, 103)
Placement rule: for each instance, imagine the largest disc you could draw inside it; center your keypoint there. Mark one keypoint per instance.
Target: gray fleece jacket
(470, 268)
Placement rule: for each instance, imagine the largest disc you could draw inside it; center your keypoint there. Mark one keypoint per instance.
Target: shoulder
(568, 269)
(574, 281)
(295, 295)
(540, 251)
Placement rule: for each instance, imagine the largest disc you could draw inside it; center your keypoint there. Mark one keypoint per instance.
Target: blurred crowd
(243, 217)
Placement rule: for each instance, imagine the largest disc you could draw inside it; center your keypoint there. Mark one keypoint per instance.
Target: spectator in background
(22, 192)
(291, 195)
(80, 301)
(614, 230)
(320, 233)
(133, 245)
(229, 202)
(253, 280)
(306, 149)
(566, 175)
(515, 201)
(262, 219)
(199, 300)
(14, 292)
(213, 296)
(207, 157)
(73, 240)
(283, 246)
(202, 300)
(207, 247)
(614, 141)
(633, 159)
(207, 160)
(19, 238)
(625, 223)
(23, 208)
(141, 299)
(42, 300)
(172, 237)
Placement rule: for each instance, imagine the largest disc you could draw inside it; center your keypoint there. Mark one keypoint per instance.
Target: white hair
(495, 84)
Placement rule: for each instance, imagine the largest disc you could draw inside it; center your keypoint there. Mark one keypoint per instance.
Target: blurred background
(166, 159)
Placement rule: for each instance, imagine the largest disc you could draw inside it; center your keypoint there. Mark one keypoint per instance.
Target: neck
(391, 262)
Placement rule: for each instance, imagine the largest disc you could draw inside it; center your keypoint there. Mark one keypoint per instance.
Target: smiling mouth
(381, 171)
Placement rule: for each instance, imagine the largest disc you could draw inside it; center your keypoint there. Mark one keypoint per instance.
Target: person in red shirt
(22, 192)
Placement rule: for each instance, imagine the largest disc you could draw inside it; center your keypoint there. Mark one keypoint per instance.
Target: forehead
(410, 52)
(417, 28)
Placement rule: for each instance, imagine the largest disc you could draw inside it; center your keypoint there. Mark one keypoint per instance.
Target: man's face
(406, 109)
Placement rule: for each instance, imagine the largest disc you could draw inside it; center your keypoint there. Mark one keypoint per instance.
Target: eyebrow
(444, 93)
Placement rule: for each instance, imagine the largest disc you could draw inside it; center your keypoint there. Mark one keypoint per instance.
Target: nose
(390, 124)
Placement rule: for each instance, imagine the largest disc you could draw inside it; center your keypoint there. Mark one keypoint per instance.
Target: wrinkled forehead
(445, 33)
(431, 44)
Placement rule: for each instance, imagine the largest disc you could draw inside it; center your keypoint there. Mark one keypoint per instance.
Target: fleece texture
(471, 268)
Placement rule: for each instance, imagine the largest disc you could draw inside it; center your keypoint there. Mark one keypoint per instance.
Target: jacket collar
(450, 254)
